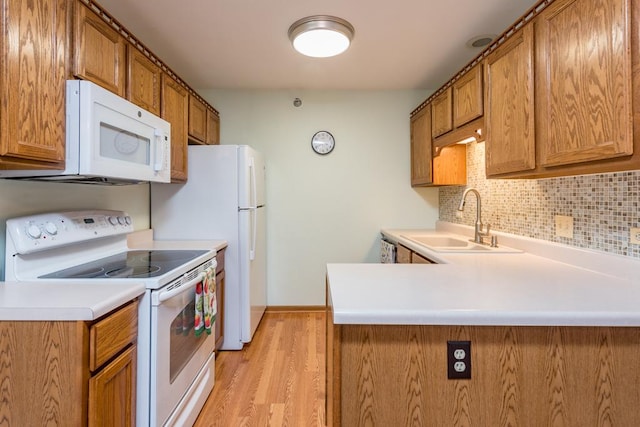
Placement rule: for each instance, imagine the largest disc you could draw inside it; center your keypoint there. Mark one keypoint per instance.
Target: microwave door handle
(159, 157)
(184, 288)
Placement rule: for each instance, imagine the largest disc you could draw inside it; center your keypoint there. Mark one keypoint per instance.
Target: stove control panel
(51, 230)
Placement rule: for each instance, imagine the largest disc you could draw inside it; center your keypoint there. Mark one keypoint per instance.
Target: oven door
(177, 354)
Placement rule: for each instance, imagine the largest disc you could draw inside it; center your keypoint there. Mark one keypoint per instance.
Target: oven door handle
(163, 296)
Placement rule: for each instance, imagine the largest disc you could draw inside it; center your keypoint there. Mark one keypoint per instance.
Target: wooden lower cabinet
(403, 255)
(220, 282)
(112, 391)
(47, 375)
(396, 375)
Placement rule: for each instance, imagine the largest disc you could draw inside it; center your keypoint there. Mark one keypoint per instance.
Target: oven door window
(183, 342)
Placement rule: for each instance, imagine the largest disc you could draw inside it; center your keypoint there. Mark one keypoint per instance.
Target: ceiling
(243, 44)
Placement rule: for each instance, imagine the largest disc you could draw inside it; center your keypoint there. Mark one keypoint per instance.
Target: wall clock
(323, 142)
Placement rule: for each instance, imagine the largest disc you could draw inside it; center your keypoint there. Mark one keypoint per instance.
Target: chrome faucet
(479, 234)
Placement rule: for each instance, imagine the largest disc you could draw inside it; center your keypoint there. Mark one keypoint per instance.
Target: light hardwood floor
(276, 380)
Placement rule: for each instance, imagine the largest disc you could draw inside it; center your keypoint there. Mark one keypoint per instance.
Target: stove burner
(137, 271)
(88, 273)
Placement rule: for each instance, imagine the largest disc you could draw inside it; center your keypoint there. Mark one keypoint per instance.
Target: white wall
(326, 209)
(18, 198)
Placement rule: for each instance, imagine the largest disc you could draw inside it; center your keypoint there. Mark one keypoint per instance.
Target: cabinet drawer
(419, 259)
(110, 335)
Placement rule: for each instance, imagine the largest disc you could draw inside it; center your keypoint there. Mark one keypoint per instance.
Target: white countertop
(518, 289)
(81, 300)
(63, 301)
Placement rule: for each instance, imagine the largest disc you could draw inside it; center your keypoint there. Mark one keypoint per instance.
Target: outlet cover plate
(459, 360)
(564, 226)
(634, 236)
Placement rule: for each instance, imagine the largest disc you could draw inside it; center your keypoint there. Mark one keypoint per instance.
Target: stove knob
(121, 220)
(34, 231)
(127, 219)
(51, 228)
(113, 220)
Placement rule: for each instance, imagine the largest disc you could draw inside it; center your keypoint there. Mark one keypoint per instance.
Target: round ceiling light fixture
(321, 36)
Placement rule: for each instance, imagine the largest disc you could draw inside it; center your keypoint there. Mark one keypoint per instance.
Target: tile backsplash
(603, 206)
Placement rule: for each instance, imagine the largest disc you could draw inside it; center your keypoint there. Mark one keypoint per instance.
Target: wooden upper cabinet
(584, 95)
(433, 167)
(143, 81)
(509, 106)
(421, 147)
(441, 119)
(468, 97)
(213, 128)
(197, 120)
(34, 44)
(175, 109)
(100, 51)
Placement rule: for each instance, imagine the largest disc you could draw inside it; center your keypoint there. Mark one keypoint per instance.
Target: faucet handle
(488, 229)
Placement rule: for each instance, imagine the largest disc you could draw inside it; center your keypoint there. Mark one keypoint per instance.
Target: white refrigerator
(223, 199)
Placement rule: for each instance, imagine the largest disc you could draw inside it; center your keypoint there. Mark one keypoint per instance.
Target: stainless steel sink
(447, 243)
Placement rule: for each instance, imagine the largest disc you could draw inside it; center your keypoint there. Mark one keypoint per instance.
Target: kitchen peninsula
(551, 343)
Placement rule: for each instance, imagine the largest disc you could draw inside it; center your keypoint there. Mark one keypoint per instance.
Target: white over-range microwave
(109, 140)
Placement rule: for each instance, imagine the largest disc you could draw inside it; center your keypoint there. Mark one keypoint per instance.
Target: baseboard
(295, 308)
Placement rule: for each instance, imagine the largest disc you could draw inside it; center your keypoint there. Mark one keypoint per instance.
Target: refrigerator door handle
(254, 201)
(254, 190)
(254, 232)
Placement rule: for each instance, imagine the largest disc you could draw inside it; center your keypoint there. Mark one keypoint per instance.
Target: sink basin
(446, 243)
(440, 241)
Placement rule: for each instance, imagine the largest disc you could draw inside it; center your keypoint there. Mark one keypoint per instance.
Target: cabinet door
(219, 324)
(197, 120)
(510, 136)
(143, 81)
(112, 392)
(403, 255)
(34, 46)
(441, 118)
(99, 51)
(468, 97)
(213, 128)
(450, 165)
(174, 108)
(421, 147)
(583, 96)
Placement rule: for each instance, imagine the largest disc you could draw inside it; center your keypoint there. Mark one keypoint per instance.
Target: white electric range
(175, 371)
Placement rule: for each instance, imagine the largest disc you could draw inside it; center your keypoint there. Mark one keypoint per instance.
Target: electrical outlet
(634, 236)
(564, 226)
(459, 359)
